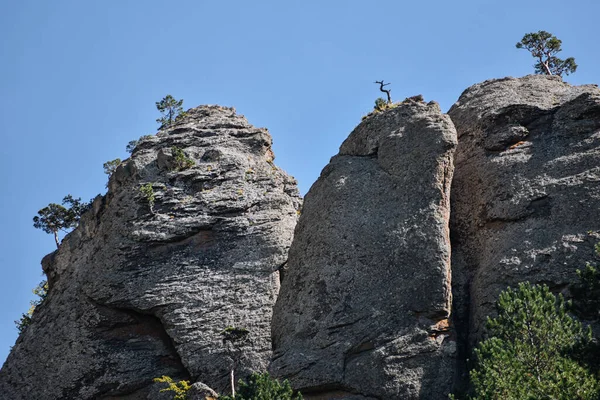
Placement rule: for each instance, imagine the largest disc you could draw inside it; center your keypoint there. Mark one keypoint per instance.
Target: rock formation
(137, 291)
(526, 190)
(365, 300)
(144, 288)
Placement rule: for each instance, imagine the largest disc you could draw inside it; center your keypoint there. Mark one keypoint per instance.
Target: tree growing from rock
(387, 92)
(233, 339)
(41, 291)
(56, 217)
(528, 354)
(544, 46)
(170, 109)
(111, 166)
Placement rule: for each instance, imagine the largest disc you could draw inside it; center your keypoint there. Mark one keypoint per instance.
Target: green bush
(586, 305)
(56, 217)
(263, 387)
(148, 193)
(182, 162)
(586, 293)
(179, 389)
(111, 166)
(380, 104)
(528, 354)
(41, 291)
(171, 111)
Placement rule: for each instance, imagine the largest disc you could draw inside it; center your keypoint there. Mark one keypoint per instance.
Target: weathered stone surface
(526, 190)
(365, 300)
(199, 391)
(136, 294)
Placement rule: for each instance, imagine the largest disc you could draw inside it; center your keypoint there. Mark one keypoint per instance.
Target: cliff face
(526, 190)
(137, 293)
(364, 305)
(370, 305)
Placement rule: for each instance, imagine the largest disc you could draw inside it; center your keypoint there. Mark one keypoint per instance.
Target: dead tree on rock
(389, 98)
(233, 340)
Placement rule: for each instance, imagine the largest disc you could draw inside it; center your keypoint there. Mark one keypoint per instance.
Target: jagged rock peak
(364, 306)
(526, 184)
(144, 288)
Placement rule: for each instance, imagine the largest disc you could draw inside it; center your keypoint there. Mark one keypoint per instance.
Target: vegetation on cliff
(544, 46)
(56, 217)
(537, 347)
(530, 348)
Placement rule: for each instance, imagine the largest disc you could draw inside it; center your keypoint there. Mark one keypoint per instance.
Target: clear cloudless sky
(79, 79)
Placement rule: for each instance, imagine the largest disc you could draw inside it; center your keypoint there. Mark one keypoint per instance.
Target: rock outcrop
(365, 300)
(526, 190)
(139, 290)
(370, 306)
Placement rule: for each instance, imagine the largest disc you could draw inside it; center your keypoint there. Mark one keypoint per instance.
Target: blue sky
(79, 79)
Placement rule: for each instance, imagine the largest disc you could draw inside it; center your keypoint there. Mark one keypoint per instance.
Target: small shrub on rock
(41, 291)
(111, 166)
(179, 389)
(263, 387)
(148, 193)
(182, 162)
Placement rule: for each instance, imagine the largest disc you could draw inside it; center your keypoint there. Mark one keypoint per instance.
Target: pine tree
(544, 46)
(41, 291)
(111, 166)
(263, 387)
(527, 354)
(56, 217)
(170, 109)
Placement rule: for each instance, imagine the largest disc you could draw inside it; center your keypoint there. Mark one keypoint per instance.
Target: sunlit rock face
(365, 300)
(138, 292)
(526, 190)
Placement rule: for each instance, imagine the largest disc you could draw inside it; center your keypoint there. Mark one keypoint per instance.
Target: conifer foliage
(170, 109)
(544, 46)
(56, 217)
(111, 166)
(263, 387)
(527, 354)
(41, 291)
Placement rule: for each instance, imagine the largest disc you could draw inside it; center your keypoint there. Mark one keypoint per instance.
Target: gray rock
(364, 305)
(199, 391)
(526, 190)
(136, 294)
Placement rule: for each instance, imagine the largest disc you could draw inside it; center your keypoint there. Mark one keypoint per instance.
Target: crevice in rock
(357, 350)
(197, 236)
